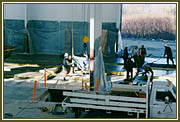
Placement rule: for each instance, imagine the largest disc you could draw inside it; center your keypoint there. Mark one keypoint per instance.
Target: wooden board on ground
(31, 75)
(49, 70)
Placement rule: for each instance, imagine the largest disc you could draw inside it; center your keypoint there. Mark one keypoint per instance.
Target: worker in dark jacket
(143, 53)
(168, 52)
(125, 57)
(129, 67)
(66, 65)
(148, 69)
(135, 53)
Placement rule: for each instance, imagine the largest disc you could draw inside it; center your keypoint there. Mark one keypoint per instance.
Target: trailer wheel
(77, 112)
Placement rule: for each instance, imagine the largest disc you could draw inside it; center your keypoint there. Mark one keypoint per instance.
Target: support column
(27, 38)
(95, 21)
(120, 16)
(25, 16)
(119, 45)
(72, 38)
(91, 46)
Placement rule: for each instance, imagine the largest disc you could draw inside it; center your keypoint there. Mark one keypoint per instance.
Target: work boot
(64, 79)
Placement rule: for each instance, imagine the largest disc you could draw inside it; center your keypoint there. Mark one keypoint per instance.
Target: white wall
(14, 11)
(59, 12)
(110, 12)
(98, 20)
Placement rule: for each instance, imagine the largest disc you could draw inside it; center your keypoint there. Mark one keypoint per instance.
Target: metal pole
(147, 95)
(25, 16)
(119, 46)
(120, 24)
(91, 46)
(72, 40)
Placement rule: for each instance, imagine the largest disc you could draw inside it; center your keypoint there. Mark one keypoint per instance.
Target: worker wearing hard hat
(66, 65)
(129, 68)
(147, 69)
(135, 52)
(168, 52)
(142, 52)
(125, 57)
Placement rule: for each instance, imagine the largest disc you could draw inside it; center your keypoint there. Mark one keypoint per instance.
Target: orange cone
(86, 86)
(82, 82)
(97, 83)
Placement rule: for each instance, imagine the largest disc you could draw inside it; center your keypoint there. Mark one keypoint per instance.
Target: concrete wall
(48, 24)
(14, 11)
(110, 12)
(14, 16)
(59, 12)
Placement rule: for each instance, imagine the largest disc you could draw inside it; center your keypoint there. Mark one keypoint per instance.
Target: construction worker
(85, 50)
(129, 67)
(148, 69)
(168, 52)
(70, 59)
(142, 51)
(125, 57)
(66, 65)
(135, 54)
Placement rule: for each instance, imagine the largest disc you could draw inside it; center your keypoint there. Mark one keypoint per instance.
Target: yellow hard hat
(85, 39)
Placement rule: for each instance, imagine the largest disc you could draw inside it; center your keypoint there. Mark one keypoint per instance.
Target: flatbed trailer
(156, 99)
(122, 98)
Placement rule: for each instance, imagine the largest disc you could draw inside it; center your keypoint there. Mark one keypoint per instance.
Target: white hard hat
(66, 55)
(165, 45)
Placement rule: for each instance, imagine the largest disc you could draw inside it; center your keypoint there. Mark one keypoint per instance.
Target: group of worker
(138, 56)
(67, 64)
(139, 59)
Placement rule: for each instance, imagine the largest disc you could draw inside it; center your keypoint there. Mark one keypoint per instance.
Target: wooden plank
(130, 87)
(110, 103)
(96, 96)
(129, 99)
(104, 107)
(28, 75)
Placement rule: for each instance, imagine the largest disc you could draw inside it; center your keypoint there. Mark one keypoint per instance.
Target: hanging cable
(84, 37)
(72, 40)
(84, 20)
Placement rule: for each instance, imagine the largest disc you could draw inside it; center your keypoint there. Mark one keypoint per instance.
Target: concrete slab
(9, 66)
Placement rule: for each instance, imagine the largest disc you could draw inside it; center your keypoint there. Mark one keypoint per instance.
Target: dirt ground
(19, 93)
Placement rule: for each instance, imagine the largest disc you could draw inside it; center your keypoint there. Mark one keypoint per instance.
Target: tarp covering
(99, 74)
(54, 37)
(109, 38)
(14, 34)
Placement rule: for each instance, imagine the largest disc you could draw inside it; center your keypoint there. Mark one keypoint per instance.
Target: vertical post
(97, 83)
(137, 115)
(82, 80)
(91, 46)
(26, 16)
(119, 43)
(72, 39)
(120, 16)
(147, 95)
(86, 87)
(45, 77)
(34, 92)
